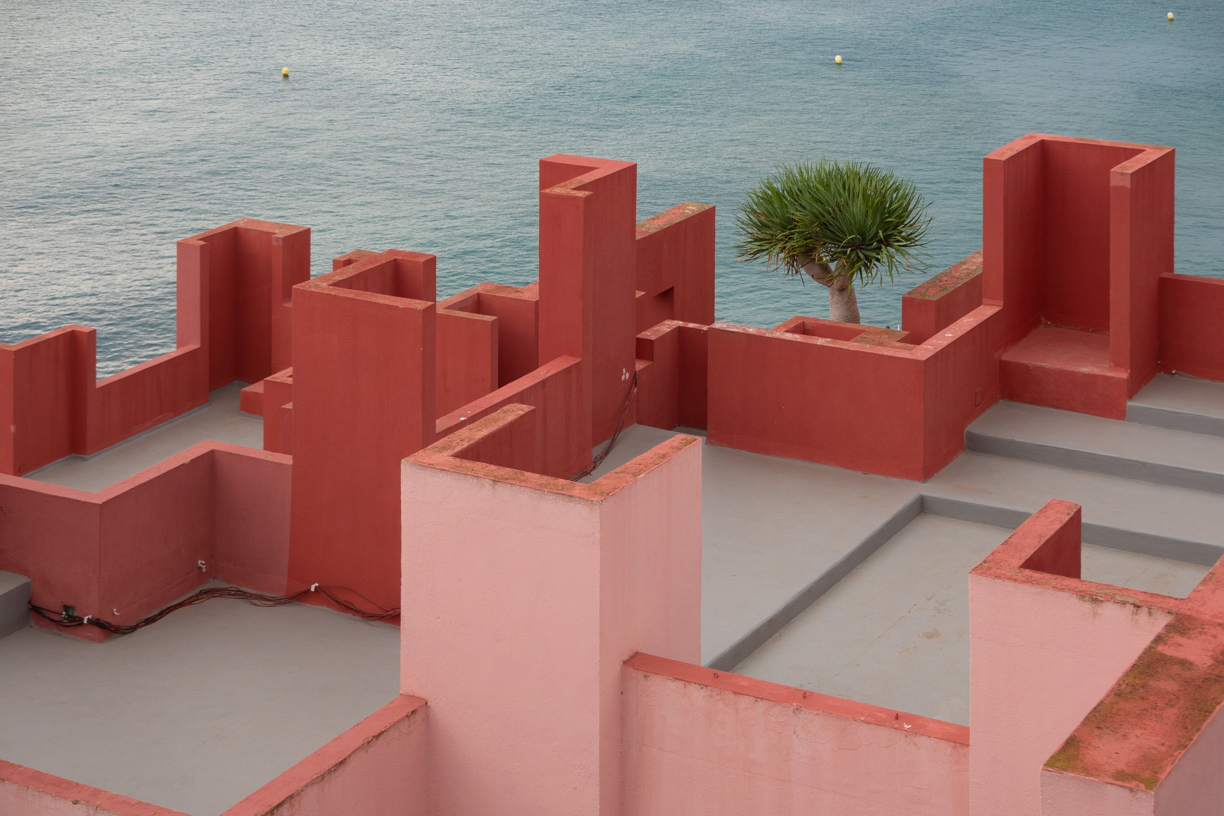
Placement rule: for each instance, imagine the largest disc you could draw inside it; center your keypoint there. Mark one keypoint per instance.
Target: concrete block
(14, 600)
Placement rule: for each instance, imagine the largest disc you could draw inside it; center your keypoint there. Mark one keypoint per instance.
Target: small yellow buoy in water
(285, 73)
(1170, 16)
(837, 59)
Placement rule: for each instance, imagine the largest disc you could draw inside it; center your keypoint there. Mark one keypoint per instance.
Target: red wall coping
(947, 281)
(665, 219)
(1150, 717)
(277, 229)
(444, 455)
(788, 695)
(326, 759)
(77, 793)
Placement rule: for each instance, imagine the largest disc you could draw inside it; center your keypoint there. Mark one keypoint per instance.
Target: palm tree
(841, 223)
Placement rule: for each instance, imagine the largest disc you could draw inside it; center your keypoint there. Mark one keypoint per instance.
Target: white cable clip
(86, 619)
(314, 586)
(203, 567)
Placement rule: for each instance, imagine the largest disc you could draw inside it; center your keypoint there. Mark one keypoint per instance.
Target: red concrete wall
(673, 371)
(363, 399)
(142, 396)
(1076, 208)
(50, 534)
(675, 266)
(587, 277)
(937, 303)
(562, 447)
(960, 380)
(701, 741)
(278, 412)
(137, 545)
(232, 324)
(827, 401)
(44, 382)
(27, 792)
(1141, 251)
(250, 518)
(376, 768)
(517, 311)
(466, 365)
(248, 269)
(1013, 234)
(1192, 325)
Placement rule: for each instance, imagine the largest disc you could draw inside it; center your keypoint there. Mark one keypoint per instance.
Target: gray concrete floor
(770, 527)
(895, 632)
(220, 420)
(198, 710)
(245, 692)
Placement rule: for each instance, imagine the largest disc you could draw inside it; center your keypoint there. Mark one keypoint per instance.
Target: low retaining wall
(702, 741)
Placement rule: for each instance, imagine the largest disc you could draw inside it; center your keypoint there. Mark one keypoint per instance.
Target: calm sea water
(126, 125)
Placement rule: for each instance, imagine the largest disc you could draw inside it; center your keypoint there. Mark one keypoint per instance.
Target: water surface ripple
(127, 125)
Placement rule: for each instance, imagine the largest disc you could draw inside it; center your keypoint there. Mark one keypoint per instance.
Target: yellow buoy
(1170, 15)
(837, 59)
(285, 72)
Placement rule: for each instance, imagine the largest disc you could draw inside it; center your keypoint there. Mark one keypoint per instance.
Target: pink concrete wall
(701, 741)
(1069, 795)
(27, 792)
(376, 768)
(1044, 650)
(515, 631)
(137, 545)
(1192, 325)
(1195, 786)
(363, 398)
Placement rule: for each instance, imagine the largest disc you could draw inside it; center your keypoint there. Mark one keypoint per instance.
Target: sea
(127, 125)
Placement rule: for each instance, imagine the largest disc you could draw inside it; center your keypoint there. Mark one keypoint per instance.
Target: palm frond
(864, 221)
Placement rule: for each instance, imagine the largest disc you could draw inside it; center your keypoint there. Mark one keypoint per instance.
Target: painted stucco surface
(700, 741)
(522, 597)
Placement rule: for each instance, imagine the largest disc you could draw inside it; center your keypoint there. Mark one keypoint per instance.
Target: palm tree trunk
(843, 303)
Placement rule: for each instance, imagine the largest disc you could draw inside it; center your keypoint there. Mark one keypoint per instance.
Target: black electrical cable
(620, 426)
(69, 620)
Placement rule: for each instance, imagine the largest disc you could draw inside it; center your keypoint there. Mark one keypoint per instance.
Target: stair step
(1081, 442)
(1180, 404)
(14, 598)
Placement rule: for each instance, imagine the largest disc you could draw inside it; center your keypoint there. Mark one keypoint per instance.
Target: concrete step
(1122, 514)
(14, 598)
(1181, 404)
(1096, 445)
